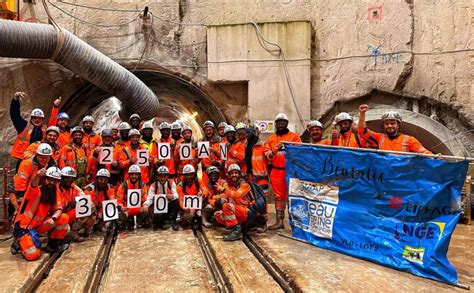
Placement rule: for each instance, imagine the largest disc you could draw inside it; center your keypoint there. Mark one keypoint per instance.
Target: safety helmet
(188, 169)
(343, 116)
(63, 115)
(53, 128)
(147, 125)
(88, 118)
(176, 126)
(212, 169)
(134, 169)
(44, 149)
(135, 116)
(222, 125)
(254, 127)
(114, 127)
(53, 172)
(103, 173)
(162, 170)
(314, 123)
(124, 126)
(186, 127)
(77, 129)
(240, 126)
(107, 132)
(208, 123)
(281, 116)
(392, 115)
(164, 125)
(233, 167)
(134, 132)
(37, 113)
(229, 128)
(68, 172)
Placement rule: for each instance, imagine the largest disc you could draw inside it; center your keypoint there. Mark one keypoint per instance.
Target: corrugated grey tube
(43, 41)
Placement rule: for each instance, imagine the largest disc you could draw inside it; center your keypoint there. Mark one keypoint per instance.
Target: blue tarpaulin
(395, 210)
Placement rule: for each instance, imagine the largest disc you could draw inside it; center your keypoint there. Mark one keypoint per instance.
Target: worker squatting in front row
(59, 163)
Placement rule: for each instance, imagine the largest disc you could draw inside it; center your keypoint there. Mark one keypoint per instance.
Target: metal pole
(469, 159)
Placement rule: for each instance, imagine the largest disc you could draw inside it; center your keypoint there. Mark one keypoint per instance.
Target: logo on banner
(314, 191)
(410, 232)
(414, 254)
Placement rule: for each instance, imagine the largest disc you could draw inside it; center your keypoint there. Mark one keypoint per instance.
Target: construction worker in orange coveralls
(274, 151)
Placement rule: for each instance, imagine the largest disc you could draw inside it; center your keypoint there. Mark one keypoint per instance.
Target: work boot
(15, 247)
(234, 235)
(205, 217)
(174, 226)
(55, 245)
(74, 232)
(279, 224)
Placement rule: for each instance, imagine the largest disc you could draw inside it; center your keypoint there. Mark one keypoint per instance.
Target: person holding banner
(234, 203)
(391, 139)
(236, 153)
(74, 155)
(91, 139)
(131, 195)
(41, 212)
(176, 131)
(315, 131)
(191, 191)
(185, 152)
(105, 156)
(99, 191)
(160, 209)
(162, 151)
(274, 151)
(133, 154)
(51, 138)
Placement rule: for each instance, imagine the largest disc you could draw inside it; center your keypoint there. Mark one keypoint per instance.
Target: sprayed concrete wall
(412, 55)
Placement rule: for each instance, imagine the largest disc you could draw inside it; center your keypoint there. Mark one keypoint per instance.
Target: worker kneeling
(41, 213)
(190, 191)
(234, 204)
(127, 214)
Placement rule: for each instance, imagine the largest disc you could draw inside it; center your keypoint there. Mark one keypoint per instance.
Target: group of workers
(57, 163)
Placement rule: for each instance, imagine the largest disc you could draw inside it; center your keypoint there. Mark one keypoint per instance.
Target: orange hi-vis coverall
(125, 160)
(122, 194)
(168, 163)
(235, 211)
(22, 141)
(74, 156)
(91, 141)
(33, 215)
(68, 195)
(99, 195)
(277, 174)
(259, 174)
(401, 143)
(236, 155)
(182, 189)
(27, 170)
(31, 150)
(214, 157)
(213, 194)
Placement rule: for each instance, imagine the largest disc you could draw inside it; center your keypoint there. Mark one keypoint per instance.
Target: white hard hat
(186, 127)
(147, 125)
(133, 132)
(233, 167)
(229, 128)
(221, 125)
(165, 125)
(314, 123)
(53, 172)
(163, 170)
(212, 169)
(53, 128)
(176, 126)
(68, 172)
(208, 123)
(37, 113)
(392, 115)
(135, 116)
(343, 116)
(124, 126)
(281, 116)
(103, 173)
(134, 169)
(187, 169)
(44, 149)
(88, 118)
(77, 129)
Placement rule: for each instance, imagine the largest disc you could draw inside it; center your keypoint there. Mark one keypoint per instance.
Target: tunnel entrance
(179, 99)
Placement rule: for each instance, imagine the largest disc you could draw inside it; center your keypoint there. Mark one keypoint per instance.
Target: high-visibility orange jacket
(64, 137)
(31, 150)
(125, 160)
(278, 159)
(181, 163)
(27, 170)
(322, 141)
(91, 141)
(236, 155)
(127, 185)
(213, 194)
(349, 139)
(239, 193)
(23, 141)
(192, 190)
(98, 195)
(259, 164)
(401, 143)
(33, 213)
(72, 155)
(169, 163)
(69, 194)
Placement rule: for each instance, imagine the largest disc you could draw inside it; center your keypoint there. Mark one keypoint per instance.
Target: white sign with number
(143, 158)
(106, 155)
(164, 151)
(223, 149)
(193, 202)
(110, 210)
(185, 151)
(160, 204)
(204, 150)
(134, 197)
(83, 206)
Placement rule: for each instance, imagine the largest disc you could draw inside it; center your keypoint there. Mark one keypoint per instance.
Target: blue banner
(398, 211)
